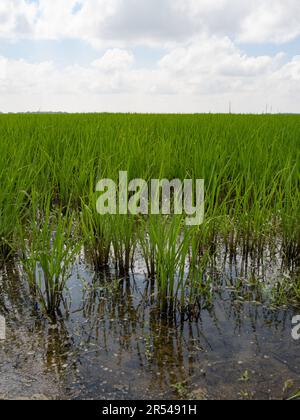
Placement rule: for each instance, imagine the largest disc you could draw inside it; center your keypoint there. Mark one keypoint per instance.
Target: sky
(181, 56)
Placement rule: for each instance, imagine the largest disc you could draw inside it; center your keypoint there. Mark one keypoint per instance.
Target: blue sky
(71, 51)
(75, 51)
(149, 55)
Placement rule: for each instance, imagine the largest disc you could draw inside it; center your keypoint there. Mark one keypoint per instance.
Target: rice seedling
(49, 245)
(97, 235)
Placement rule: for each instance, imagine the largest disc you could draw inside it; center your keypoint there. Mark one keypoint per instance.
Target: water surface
(113, 343)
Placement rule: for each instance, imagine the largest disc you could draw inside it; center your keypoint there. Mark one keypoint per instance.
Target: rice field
(247, 251)
(50, 165)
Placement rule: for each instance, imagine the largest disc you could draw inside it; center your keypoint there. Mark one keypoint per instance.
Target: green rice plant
(9, 207)
(96, 232)
(123, 242)
(198, 283)
(165, 249)
(286, 291)
(50, 244)
(12, 198)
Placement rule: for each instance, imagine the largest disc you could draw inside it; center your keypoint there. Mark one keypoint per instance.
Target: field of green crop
(50, 165)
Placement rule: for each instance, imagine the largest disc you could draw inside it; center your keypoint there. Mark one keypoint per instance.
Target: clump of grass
(173, 259)
(97, 235)
(49, 244)
(286, 290)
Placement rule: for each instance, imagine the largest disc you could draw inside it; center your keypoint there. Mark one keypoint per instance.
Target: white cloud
(114, 60)
(274, 21)
(17, 19)
(21, 77)
(123, 23)
(203, 75)
(203, 66)
(216, 65)
(254, 21)
(291, 71)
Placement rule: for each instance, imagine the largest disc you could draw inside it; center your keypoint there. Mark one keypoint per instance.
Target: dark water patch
(114, 343)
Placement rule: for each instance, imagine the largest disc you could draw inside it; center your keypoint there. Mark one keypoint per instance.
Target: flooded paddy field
(146, 305)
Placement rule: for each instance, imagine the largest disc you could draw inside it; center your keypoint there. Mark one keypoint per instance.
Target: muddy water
(113, 344)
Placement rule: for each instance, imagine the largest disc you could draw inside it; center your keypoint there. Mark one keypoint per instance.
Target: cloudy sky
(150, 55)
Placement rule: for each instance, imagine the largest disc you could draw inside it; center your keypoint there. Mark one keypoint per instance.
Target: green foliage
(49, 244)
(50, 164)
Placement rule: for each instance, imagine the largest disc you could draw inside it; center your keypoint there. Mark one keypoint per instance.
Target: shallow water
(113, 344)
